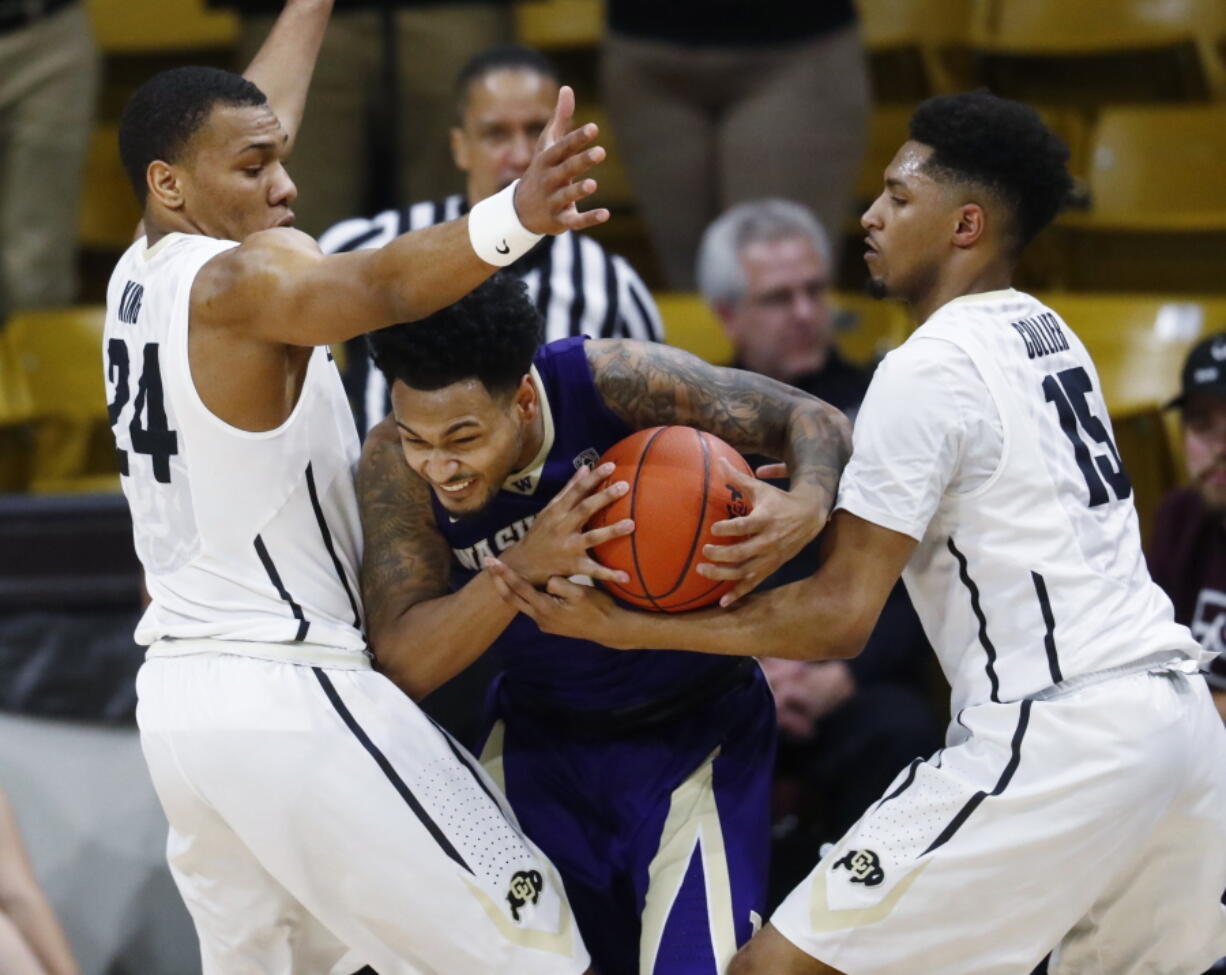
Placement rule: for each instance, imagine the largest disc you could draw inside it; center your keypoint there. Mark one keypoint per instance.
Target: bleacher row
(54, 426)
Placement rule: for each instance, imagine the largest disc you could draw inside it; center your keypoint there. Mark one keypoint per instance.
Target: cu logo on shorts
(864, 867)
(525, 889)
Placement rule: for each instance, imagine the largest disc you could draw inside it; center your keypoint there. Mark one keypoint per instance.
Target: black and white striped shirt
(579, 288)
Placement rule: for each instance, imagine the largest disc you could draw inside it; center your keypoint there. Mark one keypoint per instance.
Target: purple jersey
(560, 670)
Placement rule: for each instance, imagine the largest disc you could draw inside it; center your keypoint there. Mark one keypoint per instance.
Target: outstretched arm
(278, 287)
(283, 66)
(647, 384)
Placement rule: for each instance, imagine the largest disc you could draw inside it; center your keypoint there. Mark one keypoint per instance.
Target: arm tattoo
(406, 558)
(647, 385)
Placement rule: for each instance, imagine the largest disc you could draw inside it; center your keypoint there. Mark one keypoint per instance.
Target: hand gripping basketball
(557, 544)
(677, 492)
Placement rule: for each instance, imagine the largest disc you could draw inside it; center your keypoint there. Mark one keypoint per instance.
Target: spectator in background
(718, 101)
(48, 85)
(504, 97)
(765, 269)
(846, 726)
(367, 117)
(1187, 555)
(31, 939)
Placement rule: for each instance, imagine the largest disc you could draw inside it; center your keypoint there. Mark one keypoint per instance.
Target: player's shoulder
(983, 308)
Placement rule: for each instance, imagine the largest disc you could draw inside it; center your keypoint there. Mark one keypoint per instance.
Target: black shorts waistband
(636, 717)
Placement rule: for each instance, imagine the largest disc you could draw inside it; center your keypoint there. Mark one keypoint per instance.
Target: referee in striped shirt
(506, 96)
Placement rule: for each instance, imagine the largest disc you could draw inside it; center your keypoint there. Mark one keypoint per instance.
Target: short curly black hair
(166, 111)
(1001, 145)
(490, 334)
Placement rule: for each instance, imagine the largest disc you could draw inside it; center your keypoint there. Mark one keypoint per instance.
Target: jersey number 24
(153, 437)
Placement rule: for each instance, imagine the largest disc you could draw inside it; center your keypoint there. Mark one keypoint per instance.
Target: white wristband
(495, 231)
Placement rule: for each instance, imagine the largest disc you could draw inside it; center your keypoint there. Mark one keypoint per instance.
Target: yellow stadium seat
(16, 413)
(1138, 342)
(559, 24)
(1159, 168)
(916, 47)
(691, 325)
(1097, 51)
(152, 26)
(1157, 202)
(109, 213)
(59, 353)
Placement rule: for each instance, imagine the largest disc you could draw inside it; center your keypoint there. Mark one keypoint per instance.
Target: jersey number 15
(153, 438)
(1068, 390)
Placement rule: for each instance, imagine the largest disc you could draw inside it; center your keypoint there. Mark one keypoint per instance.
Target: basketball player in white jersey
(318, 821)
(1076, 809)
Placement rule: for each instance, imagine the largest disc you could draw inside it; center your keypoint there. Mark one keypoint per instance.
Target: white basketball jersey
(1037, 574)
(243, 536)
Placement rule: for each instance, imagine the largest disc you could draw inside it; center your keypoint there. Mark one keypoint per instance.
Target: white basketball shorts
(319, 821)
(1089, 826)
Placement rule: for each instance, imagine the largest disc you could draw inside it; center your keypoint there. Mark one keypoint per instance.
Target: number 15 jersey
(986, 438)
(243, 536)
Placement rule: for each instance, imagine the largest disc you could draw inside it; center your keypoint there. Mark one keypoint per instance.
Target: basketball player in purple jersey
(645, 780)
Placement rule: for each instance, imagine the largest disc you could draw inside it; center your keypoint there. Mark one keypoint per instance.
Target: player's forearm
(285, 62)
(817, 449)
(436, 639)
(792, 622)
(418, 273)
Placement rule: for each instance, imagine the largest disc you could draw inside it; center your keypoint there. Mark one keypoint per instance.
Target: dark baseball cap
(1204, 371)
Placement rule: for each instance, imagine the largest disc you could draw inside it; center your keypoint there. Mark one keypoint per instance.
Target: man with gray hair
(764, 267)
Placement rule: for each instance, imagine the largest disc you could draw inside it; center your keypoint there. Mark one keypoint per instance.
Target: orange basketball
(677, 492)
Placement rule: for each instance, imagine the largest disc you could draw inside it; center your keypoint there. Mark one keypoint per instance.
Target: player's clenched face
(781, 327)
(910, 226)
(1204, 426)
(231, 179)
(504, 115)
(465, 442)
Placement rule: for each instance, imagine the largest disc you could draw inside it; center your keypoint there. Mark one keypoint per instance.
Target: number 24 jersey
(246, 536)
